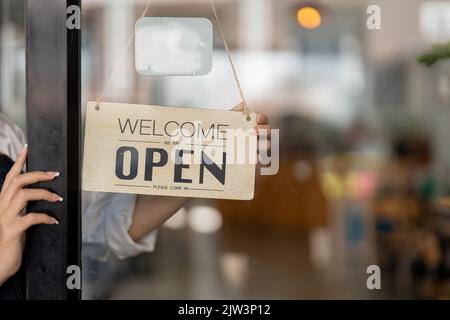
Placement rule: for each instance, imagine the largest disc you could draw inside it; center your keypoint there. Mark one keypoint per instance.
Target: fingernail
(58, 198)
(55, 221)
(25, 148)
(53, 174)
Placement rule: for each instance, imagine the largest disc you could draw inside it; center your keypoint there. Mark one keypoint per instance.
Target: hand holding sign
(170, 151)
(153, 211)
(262, 126)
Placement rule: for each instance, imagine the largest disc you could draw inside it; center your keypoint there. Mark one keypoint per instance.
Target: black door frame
(53, 128)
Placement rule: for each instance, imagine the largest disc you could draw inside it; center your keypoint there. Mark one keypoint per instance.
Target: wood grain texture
(140, 128)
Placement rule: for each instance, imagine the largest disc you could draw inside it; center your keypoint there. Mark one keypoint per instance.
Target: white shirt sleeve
(106, 220)
(12, 139)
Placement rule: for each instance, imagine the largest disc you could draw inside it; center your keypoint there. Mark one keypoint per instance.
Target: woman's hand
(262, 126)
(13, 220)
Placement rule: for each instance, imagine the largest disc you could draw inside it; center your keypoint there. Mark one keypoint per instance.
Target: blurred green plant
(439, 52)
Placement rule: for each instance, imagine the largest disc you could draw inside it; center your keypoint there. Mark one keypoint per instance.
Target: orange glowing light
(309, 17)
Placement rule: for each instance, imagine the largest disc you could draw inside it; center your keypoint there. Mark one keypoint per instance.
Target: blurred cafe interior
(364, 175)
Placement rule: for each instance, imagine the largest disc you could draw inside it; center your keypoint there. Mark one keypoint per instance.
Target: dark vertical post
(53, 122)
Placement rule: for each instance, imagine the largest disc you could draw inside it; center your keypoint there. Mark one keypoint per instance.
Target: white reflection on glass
(203, 219)
(173, 46)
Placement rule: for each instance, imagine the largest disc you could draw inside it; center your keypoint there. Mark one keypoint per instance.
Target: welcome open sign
(182, 152)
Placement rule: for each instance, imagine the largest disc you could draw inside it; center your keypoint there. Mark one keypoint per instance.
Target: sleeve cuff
(117, 226)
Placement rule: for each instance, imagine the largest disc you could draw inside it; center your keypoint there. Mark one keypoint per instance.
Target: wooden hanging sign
(183, 152)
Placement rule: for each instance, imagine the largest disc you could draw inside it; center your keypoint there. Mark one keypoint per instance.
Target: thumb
(239, 107)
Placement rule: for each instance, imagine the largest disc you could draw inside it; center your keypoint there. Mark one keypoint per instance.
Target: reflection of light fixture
(235, 268)
(309, 17)
(204, 219)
